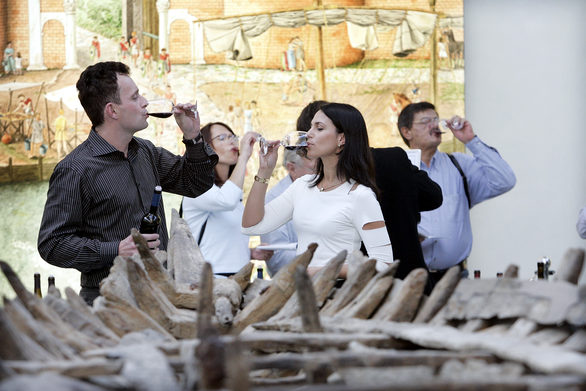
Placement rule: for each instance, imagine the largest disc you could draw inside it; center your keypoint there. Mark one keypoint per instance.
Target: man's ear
(111, 111)
(406, 132)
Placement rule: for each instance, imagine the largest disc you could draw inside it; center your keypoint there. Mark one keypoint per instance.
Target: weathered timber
(439, 296)
(307, 304)
(281, 288)
(147, 368)
(101, 336)
(72, 368)
(237, 367)
(512, 271)
(403, 306)
(159, 276)
(367, 357)
(355, 282)
(273, 341)
(78, 304)
(184, 253)
(123, 319)
(254, 290)
(45, 314)
(115, 287)
(371, 296)
(542, 301)
(27, 324)
(153, 301)
(49, 381)
(206, 300)
(323, 283)
(16, 345)
(576, 341)
(53, 291)
(546, 358)
(242, 278)
(571, 266)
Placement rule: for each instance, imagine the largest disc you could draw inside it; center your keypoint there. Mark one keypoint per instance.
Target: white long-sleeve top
(222, 244)
(332, 219)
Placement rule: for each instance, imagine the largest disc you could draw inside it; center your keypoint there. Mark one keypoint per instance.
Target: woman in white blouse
(337, 207)
(215, 216)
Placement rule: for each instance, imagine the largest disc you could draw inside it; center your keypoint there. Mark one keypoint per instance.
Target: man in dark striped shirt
(104, 186)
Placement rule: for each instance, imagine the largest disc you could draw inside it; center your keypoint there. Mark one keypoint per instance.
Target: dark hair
(355, 160)
(206, 132)
(408, 113)
(98, 85)
(307, 114)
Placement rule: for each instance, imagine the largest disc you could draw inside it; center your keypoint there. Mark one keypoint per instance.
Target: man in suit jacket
(404, 192)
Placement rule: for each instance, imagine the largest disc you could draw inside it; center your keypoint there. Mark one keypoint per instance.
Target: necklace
(330, 187)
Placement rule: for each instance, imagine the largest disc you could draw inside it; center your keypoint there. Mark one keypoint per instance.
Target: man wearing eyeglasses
(465, 181)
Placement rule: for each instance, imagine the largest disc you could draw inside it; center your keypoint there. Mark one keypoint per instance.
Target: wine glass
(456, 123)
(163, 108)
(294, 141)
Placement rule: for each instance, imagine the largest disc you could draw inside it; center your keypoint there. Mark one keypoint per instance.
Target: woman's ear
(341, 140)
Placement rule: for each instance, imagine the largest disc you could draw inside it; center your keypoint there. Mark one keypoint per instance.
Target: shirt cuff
(199, 151)
(108, 251)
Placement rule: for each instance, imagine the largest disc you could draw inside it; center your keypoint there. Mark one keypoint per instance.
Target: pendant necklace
(330, 187)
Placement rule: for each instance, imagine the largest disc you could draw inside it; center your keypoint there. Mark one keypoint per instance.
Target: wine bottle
(50, 281)
(150, 222)
(259, 273)
(476, 274)
(38, 285)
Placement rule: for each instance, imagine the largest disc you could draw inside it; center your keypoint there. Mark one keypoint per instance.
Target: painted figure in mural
(337, 206)
(299, 55)
(169, 94)
(147, 63)
(164, 66)
(398, 103)
(297, 84)
(36, 139)
(122, 48)
(95, 49)
(133, 41)
(248, 113)
(8, 59)
(465, 180)
(60, 125)
(291, 55)
(455, 49)
(24, 105)
(256, 114)
(442, 52)
(18, 64)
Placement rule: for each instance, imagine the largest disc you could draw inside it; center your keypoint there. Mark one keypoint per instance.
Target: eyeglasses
(226, 137)
(427, 121)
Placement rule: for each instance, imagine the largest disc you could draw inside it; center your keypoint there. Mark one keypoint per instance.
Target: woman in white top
(337, 207)
(218, 212)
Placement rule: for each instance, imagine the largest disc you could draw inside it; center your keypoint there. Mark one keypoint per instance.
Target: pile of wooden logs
(163, 322)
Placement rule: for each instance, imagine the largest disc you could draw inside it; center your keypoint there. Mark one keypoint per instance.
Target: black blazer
(405, 191)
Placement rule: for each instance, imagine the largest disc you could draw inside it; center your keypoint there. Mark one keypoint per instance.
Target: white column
(197, 43)
(70, 36)
(35, 50)
(163, 8)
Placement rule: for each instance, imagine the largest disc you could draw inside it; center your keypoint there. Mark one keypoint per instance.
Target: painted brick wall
(3, 27)
(54, 44)
(180, 42)
(17, 28)
(51, 5)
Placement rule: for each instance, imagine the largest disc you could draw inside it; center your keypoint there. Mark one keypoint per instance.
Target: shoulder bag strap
(464, 179)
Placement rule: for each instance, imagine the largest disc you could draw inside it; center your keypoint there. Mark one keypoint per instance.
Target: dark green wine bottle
(150, 222)
(38, 285)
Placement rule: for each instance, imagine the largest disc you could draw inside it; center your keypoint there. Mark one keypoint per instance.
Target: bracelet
(261, 180)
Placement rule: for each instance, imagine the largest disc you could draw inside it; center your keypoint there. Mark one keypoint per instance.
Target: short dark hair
(98, 85)
(408, 113)
(307, 114)
(355, 160)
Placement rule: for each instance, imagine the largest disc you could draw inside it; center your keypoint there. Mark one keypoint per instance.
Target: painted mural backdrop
(254, 70)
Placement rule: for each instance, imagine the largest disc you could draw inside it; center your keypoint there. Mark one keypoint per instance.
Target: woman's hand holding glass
(247, 145)
(268, 160)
